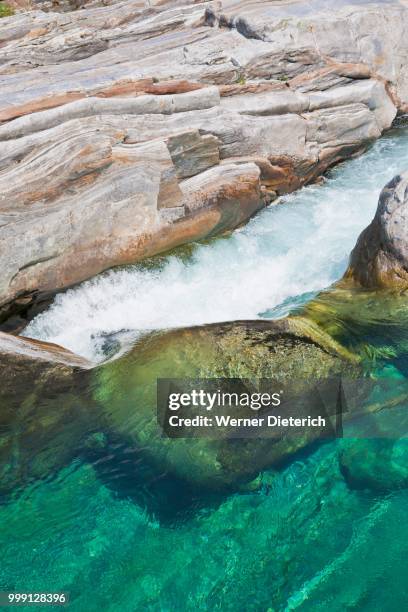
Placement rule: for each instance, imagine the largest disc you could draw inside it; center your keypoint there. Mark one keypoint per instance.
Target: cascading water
(284, 255)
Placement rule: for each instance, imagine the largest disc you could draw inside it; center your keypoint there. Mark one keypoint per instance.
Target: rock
(231, 187)
(193, 152)
(93, 106)
(291, 351)
(91, 162)
(378, 465)
(36, 353)
(53, 403)
(380, 257)
(300, 37)
(44, 406)
(73, 234)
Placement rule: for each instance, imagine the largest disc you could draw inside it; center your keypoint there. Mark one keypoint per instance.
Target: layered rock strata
(131, 128)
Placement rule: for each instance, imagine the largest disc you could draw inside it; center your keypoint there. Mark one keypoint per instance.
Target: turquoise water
(305, 541)
(309, 537)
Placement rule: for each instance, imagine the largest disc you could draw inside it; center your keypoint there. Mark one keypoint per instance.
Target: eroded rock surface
(129, 128)
(380, 257)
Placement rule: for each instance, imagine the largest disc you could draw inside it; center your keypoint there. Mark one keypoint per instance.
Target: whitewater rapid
(280, 259)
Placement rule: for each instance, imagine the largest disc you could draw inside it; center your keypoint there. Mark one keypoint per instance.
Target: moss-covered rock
(6, 10)
(289, 351)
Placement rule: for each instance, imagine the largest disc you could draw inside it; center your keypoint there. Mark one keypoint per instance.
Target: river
(304, 539)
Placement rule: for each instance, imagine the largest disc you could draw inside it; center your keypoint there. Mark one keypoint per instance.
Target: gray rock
(127, 129)
(45, 409)
(94, 202)
(89, 107)
(193, 152)
(380, 257)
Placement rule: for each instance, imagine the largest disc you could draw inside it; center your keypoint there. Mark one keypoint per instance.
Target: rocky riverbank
(127, 129)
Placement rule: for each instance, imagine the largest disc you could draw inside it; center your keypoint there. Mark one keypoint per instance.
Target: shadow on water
(129, 473)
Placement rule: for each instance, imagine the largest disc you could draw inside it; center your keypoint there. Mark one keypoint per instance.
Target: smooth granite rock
(129, 128)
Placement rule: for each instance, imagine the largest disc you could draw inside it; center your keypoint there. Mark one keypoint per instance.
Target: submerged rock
(56, 408)
(44, 409)
(291, 351)
(53, 406)
(379, 465)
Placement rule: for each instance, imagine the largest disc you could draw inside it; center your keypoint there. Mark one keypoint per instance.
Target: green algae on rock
(370, 323)
(289, 350)
(6, 10)
(74, 410)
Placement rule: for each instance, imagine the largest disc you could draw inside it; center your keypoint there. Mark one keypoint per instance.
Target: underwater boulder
(380, 465)
(290, 351)
(56, 407)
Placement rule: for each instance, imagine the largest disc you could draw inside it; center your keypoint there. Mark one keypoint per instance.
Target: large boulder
(380, 257)
(55, 407)
(291, 353)
(45, 409)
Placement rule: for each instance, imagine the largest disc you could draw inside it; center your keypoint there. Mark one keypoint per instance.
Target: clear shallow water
(279, 260)
(305, 541)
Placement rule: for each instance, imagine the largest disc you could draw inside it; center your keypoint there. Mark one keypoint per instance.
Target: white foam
(297, 247)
